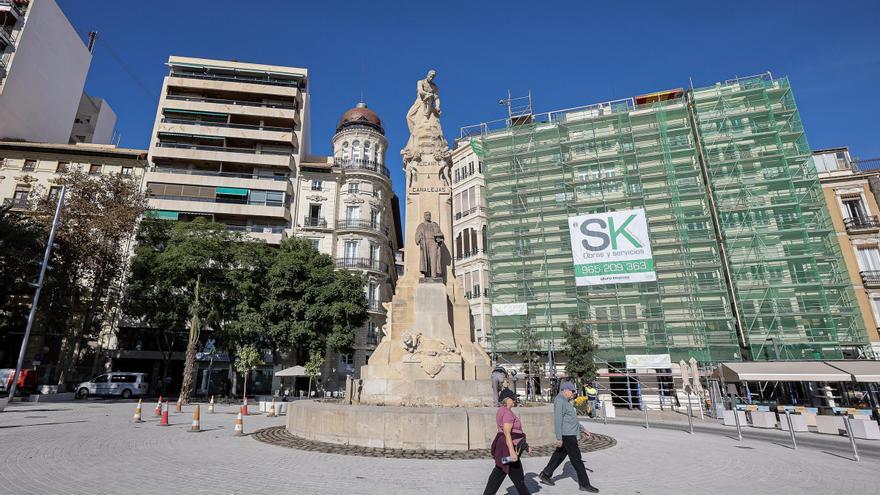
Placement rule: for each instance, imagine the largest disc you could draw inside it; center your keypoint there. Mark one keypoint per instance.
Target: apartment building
(470, 262)
(43, 67)
(95, 122)
(227, 143)
(851, 190)
(27, 169)
(743, 245)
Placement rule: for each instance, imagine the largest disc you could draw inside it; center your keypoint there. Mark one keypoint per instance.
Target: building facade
(95, 122)
(743, 246)
(850, 189)
(470, 262)
(43, 67)
(28, 169)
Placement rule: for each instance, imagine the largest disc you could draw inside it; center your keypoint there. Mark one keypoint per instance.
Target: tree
(579, 364)
(21, 244)
(94, 233)
(313, 369)
(171, 260)
(248, 360)
(529, 352)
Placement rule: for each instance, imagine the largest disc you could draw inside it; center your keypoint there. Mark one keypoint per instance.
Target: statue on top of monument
(427, 102)
(429, 238)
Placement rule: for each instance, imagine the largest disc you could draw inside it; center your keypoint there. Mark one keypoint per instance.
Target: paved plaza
(91, 447)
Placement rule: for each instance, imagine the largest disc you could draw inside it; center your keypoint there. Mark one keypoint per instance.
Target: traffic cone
(196, 426)
(179, 403)
(272, 409)
(239, 426)
(137, 413)
(211, 406)
(244, 407)
(164, 421)
(158, 411)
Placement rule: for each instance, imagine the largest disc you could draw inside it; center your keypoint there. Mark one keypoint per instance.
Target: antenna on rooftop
(519, 109)
(93, 36)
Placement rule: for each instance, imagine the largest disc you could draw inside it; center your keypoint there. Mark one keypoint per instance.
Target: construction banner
(611, 248)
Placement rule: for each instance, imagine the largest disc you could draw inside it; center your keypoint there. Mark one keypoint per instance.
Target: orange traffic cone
(239, 426)
(158, 411)
(137, 413)
(272, 409)
(211, 406)
(244, 407)
(179, 403)
(164, 420)
(196, 426)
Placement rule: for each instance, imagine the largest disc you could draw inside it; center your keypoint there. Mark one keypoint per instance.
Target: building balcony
(233, 107)
(281, 135)
(362, 264)
(271, 234)
(222, 179)
(371, 339)
(236, 83)
(358, 165)
(17, 9)
(201, 152)
(314, 223)
(476, 293)
(6, 36)
(362, 225)
(871, 278)
(218, 206)
(375, 307)
(862, 225)
(468, 212)
(468, 254)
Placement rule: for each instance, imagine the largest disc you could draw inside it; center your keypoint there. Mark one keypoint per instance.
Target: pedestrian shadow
(43, 424)
(532, 484)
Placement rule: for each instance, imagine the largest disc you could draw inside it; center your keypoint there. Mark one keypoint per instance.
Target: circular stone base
(278, 435)
(411, 428)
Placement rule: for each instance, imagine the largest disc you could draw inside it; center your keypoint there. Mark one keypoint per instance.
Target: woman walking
(508, 446)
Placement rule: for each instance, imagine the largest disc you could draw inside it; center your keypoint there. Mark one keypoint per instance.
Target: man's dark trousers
(571, 449)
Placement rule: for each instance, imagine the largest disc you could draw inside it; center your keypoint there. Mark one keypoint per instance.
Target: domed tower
(366, 232)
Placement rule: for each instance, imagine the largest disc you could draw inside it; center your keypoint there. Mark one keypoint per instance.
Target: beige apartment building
(28, 169)
(850, 188)
(469, 237)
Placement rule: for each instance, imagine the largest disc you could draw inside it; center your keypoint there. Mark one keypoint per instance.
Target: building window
(354, 187)
(854, 209)
(352, 213)
(876, 303)
(367, 156)
(63, 167)
(356, 150)
(29, 165)
(351, 249)
(94, 169)
(314, 214)
(20, 197)
(345, 150)
(373, 294)
(317, 185)
(54, 192)
(316, 243)
(869, 259)
(127, 171)
(374, 219)
(372, 335)
(374, 253)
(346, 359)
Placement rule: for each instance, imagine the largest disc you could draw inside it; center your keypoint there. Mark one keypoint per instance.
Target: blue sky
(566, 53)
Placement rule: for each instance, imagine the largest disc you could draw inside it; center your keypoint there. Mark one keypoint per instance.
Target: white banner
(510, 309)
(648, 361)
(611, 248)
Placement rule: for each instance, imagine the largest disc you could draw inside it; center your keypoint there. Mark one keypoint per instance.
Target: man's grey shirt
(565, 418)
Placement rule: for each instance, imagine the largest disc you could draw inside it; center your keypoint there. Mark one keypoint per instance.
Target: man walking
(567, 430)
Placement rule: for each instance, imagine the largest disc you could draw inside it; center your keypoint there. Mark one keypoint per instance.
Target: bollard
(852, 441)
(177, 408)
(739, 432)
(791, 429)
(690, 417)
(196, 424)
(645, 407)
(604, 414)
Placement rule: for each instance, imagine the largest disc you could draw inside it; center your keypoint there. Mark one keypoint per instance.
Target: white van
(119, 383)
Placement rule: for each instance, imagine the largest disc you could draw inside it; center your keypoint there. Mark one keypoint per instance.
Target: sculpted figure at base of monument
(429, 238)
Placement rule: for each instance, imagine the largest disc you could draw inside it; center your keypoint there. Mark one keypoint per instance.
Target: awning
(862, 370)
(294, 371)
(162, 214)
(782, 371)
(232, 191)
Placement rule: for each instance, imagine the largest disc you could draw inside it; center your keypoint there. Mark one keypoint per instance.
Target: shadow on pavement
(42, 424)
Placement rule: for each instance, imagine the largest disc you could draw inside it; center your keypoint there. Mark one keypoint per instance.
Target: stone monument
(427, 385)
(428, 356)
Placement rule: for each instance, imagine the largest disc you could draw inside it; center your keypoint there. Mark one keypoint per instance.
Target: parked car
(27, 381)
(119, 383)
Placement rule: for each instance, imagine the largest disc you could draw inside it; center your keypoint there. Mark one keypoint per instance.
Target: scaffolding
(755, 247)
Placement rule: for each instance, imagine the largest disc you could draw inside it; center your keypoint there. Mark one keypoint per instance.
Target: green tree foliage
(579, 362)
(248, 357)
(313, 368)
(22, 242)
(529, 352)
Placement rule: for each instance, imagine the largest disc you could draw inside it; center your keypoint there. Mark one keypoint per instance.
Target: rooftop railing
(238, 78)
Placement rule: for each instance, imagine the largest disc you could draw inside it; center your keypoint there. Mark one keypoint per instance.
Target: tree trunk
(244, 392)
(186, 384)
(309, 391)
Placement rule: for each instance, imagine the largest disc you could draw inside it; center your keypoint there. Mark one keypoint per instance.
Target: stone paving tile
(93, 448)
